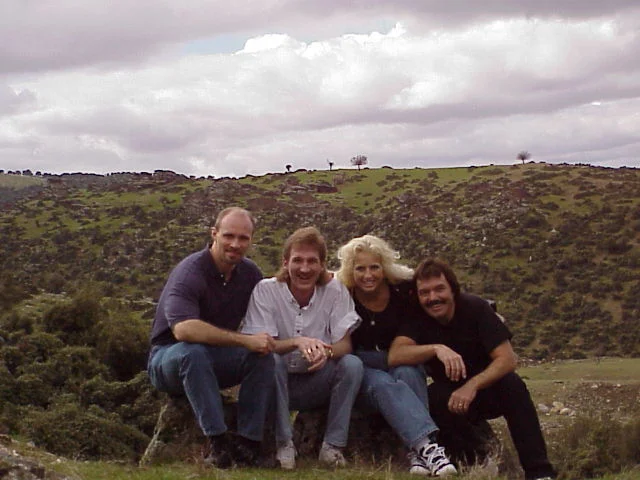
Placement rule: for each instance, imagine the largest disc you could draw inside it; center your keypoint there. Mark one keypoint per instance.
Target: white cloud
(111, 88)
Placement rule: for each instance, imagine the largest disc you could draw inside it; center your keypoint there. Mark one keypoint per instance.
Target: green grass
(19, 181)
(616, 370)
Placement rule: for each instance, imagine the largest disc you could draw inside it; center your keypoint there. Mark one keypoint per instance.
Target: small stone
(565, 411)
(543, 408)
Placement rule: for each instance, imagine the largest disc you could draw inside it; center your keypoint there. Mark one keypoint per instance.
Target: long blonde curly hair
(393, 272)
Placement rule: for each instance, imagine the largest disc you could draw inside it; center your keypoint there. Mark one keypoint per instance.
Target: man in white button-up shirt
(311, 316)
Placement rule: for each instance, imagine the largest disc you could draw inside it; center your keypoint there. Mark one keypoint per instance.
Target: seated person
(468, 352)
(310, 316)
(380, 288)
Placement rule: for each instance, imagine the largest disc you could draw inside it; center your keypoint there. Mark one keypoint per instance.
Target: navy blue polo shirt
(197, 290)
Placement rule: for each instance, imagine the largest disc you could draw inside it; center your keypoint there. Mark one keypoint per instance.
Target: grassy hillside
(83, 259)
(556, 245)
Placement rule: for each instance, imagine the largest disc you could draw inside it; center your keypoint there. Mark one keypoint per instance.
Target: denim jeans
(337, 384)
(400, 395)
(508, 397)
(199, 371)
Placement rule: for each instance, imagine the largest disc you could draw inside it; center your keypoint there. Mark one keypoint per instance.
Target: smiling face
(368, 275)
(231, 240)
(304, 268)
(436, 298)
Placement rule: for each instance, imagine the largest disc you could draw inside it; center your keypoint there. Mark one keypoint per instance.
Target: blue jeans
(337, 384)
(400, 395)
(199, 371)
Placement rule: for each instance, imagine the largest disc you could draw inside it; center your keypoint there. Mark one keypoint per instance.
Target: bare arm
(503, 361)
(405, 351)
(198, 331)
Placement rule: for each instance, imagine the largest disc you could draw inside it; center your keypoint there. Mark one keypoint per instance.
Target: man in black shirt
(467, 350)
(196, 349)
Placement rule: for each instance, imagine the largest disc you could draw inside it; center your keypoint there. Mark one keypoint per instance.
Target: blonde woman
(381, 291)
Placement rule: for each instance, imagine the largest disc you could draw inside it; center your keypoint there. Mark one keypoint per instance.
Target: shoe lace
(435, 457)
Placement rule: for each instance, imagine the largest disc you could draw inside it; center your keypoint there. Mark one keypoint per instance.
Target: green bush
(122, 344)
(592, 447)
(71, 430)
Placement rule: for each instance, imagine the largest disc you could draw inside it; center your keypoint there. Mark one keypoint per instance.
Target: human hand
(313, 349)
(261, 343)
(453, 363)
(460, 400)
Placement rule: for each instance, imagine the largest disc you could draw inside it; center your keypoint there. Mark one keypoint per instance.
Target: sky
(205, 87)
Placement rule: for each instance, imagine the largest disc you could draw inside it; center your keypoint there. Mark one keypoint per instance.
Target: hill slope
(557, 246)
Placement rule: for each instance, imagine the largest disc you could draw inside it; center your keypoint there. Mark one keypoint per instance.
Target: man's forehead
(431, 281)
(235, 219)
(304, 250)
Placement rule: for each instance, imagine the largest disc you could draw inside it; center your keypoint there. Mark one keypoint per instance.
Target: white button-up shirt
(329, 316)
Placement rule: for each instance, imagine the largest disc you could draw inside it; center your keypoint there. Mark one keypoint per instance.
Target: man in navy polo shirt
(467, 350)
(196, 349)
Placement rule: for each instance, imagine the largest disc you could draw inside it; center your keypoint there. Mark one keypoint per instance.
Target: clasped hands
(315, 351)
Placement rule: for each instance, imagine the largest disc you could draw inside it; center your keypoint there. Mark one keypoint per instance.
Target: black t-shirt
(378, 329)
(473, 332)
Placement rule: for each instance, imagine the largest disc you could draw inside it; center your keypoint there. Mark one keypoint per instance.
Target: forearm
(497, 369)
(286, 346)
(342, 347)
(410, 354)
(198, 331)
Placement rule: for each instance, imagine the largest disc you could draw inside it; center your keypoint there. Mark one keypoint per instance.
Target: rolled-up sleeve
(343, 319)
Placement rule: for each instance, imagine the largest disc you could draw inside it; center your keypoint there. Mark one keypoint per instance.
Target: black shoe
(245, 452)
(219, 454)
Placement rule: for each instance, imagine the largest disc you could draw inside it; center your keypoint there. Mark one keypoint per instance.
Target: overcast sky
(205, 87)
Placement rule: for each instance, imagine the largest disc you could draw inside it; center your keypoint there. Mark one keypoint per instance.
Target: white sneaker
(286, 455)
(417, 465)
(331, 456)
(435, 461)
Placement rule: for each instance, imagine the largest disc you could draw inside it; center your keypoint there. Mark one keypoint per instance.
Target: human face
(231, 240)
(436, 298)
(304, 268)
(368, 274)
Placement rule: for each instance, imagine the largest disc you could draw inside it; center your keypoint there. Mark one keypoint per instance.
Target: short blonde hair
(393, 272)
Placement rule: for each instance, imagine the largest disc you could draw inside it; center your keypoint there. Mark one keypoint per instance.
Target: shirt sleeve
(182, 301)
(343, 319)
(260, 316)
(491, 329)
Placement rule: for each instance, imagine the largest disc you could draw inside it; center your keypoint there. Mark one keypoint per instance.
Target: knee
(351, 366)
(194, 354)
(265, 363)
(513, 386)
(409, 373)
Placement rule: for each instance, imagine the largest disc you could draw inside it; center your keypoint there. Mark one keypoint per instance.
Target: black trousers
(462, 435)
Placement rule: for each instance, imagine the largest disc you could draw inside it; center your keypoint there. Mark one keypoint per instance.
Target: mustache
(433, 303)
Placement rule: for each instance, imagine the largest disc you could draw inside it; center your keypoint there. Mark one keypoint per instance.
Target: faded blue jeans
(400, 395)
(337, 384)
(199, 371)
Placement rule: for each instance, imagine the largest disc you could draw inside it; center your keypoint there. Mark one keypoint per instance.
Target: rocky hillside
(557, 246)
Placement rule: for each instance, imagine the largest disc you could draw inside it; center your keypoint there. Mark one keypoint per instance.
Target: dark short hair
(435, 267)
(229, 210)
(309, 236)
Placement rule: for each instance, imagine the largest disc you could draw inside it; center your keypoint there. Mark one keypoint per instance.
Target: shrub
(71, 430)
(592, 447)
